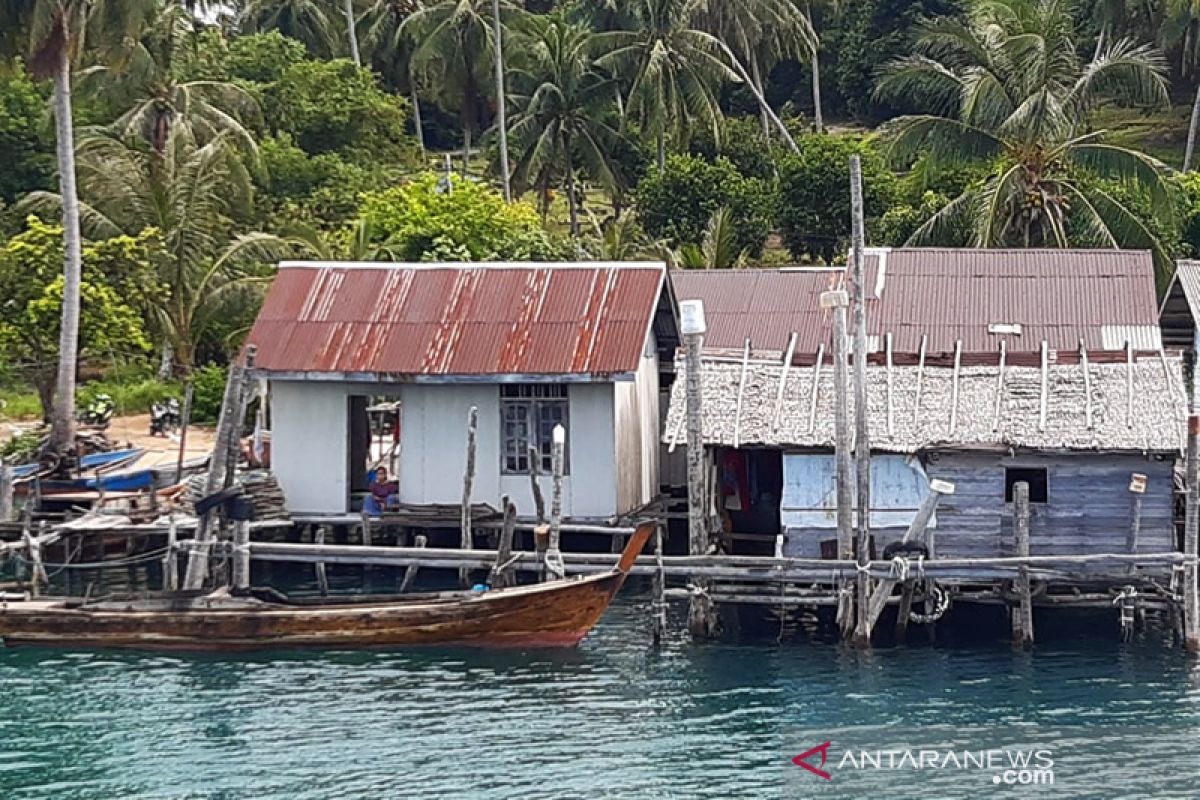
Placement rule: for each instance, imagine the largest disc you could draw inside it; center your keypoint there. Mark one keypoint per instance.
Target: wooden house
(529, 346)
(987, 368)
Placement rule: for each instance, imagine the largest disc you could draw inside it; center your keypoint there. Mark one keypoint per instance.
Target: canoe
(552, 614)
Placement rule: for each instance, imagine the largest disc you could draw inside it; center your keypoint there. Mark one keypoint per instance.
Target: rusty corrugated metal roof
(1102, 297)
(763, 305)
(462, 319)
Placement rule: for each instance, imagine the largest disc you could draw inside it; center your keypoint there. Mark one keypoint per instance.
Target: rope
(899, 568)
(941, 602)
(153, 555)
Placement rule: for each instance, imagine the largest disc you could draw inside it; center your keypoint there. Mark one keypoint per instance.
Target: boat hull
(555, 614)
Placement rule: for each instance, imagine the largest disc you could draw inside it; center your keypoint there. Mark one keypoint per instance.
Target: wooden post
(1137, 488)
(535, 471)
(844, 461)
(788, 355)
(319, 567)
(233, 409)
(915, 530)
(904, 610)
(410, 572)
(33, 551)
(1022, 615)
(554, 565)
(1191, 597)
(659, 589)
(467, 541)
(737, 415)
(862, 443)
(241, 554)
(184, 420)
(365, 523)
(501, 573)
(700, 612)
(170, 564)
(6, 492)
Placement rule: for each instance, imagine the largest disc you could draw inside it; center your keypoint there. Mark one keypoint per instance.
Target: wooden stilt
(241, 554)
(904, 610)
(1022, 615)
(554, 564)
(862, 443)
(33, 553)
(221, 465)
(410, 572)
(501, 574)
(741, 393)
(700, 617)
(365, 528)
(170, 562)
(1191, 595)
(468, 541)
(319, 567)
(535, 488)
(660, 589)
(838, 300)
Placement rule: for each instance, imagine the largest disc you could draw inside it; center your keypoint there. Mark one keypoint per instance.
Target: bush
(814, 193)
(428, 220)
(677, 203)
(130, 398)
(208, 391)
(742, 142)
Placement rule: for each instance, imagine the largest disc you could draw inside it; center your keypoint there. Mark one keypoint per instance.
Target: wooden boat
(553, 614)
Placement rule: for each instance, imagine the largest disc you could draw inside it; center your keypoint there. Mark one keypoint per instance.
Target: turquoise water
(615, 718)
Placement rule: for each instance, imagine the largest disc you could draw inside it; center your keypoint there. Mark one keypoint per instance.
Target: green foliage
(130, 397)
(336, 106)
(208, 391)
(25, 141)
(901, 221)
(31, 285)
(742, 143)
(814, 194)
(677, 203)
(262, 57)
(322, 190)
(23, 446)
(430, 220)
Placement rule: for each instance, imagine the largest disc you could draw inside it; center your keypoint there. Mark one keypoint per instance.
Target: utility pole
(693, 327)
(501, 115)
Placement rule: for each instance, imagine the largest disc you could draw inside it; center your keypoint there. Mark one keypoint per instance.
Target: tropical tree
(307, 21)
(147, 82)
(563, 110)
(57, 30)
(191, 194)
(1006, 88)
(454, 51)
(672, 70)
(390, 50)
(717, 249)
(757, 35)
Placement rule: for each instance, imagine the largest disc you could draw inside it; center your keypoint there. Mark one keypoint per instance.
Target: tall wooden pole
(693, 324)
(1022, 615)
(185, 419)
(467, 541)
(220, 467)
(558, 466)
(501, 112)
(1191, 527)
(862, 444)
(837, 300)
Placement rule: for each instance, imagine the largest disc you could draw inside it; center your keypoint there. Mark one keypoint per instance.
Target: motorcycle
(165, 417)
(99, 412)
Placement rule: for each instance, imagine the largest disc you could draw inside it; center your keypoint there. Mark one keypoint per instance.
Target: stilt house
(987, 368)
(529, 346)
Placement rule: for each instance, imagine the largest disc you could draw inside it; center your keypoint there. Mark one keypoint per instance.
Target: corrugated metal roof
(462, 319)
(763, 305)
(947, 295)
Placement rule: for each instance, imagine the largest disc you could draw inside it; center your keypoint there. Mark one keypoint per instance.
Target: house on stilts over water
(524, 347)
(987, 369)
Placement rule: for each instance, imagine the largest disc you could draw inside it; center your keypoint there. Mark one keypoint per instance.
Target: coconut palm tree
(390, 50)
(57, 31)
(190, 193)
(563, 108)
(148, 82)
(308, 21)
(672, 70)
(455, 43)
(758, 35)
(717, 248)
(1006, 89)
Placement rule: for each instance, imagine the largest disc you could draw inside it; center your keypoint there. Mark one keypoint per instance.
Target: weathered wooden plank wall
(1088, 508)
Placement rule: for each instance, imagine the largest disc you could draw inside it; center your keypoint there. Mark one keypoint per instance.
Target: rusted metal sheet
(946, 295)
(457, 320)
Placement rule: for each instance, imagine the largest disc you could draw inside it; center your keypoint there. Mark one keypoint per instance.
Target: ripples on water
(613, 719)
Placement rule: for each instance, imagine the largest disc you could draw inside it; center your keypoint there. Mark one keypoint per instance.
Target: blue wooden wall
(1088, 508)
